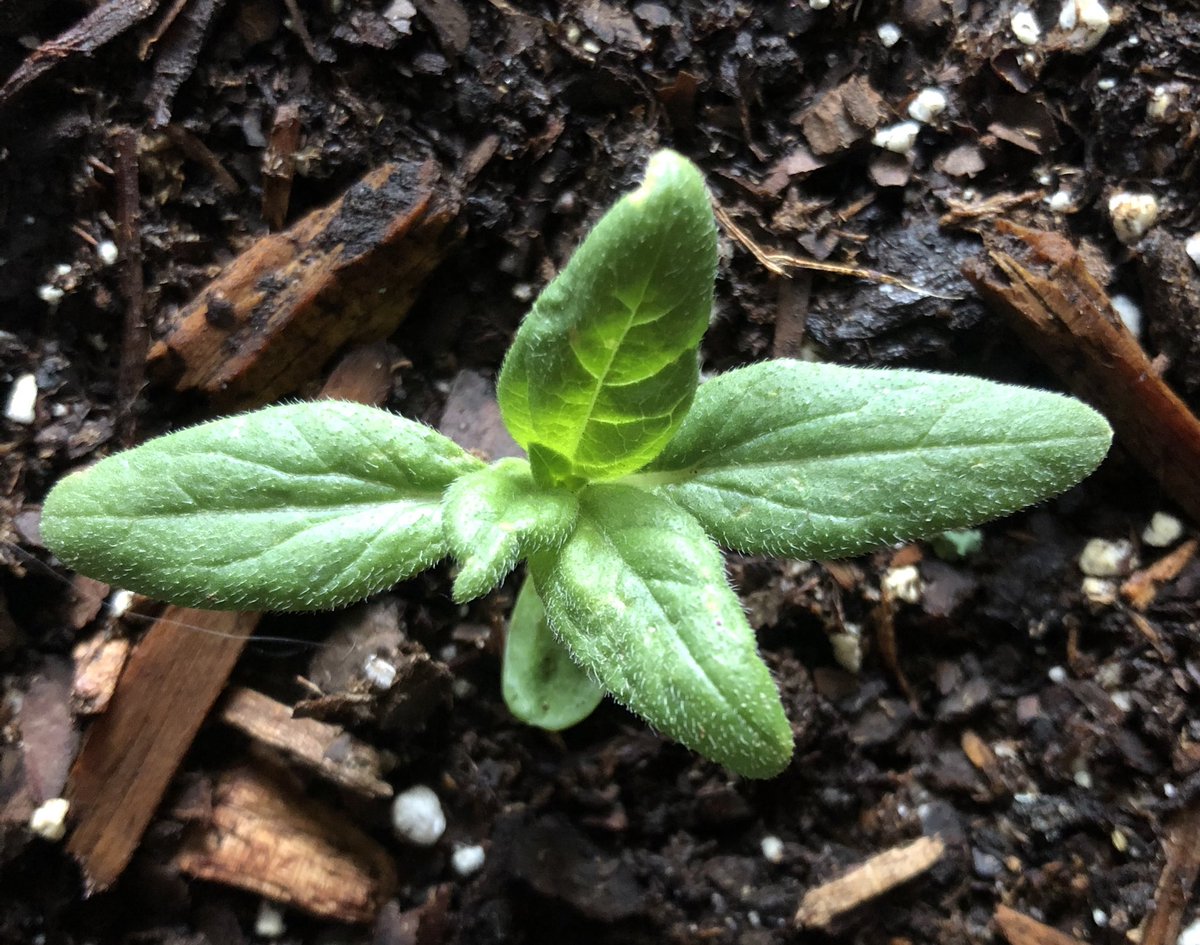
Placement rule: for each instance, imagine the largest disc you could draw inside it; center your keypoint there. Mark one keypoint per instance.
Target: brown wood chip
(264, 835)
(1173, 896)
(99, 27)
(325, 749)
(279, 165)
(869, 880)
(98, 665)
(1042, 285)
(1020, 929)
(347, 272)
(130, 754)
(842, 116)
(1142, 586)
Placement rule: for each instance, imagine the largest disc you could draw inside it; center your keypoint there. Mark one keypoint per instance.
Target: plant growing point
(635, 473)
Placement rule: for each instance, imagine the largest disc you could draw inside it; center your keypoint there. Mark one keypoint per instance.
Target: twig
(1020, 929)
(869, 880)
(1142, 586)
(301, 29)
(135, 339)
(781, 264)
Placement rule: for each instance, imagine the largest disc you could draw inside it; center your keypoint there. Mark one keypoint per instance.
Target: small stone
(1099, 591)
(889, 34)
(1159, 104)
(417, 816)
(772, 849)
(1192, 248)
(1132, 215)
(22, 400)
(269, 921)
(1129, 312)
(1057, 675)
(898, 138)
(1025, 27)
(50, 294)
(1162, 531)
(847, 650)
(928, 105)
(49, 821)
(379, 672)
(1086, 20)
(1060, 201)
(1105, 559)
(107, 251)
(468, 860)
(904, 584)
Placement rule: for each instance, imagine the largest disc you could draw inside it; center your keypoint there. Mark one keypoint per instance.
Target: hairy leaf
(495, 517)
(639, 596)
(542, 684)
(820, 461)
(297, 507)
(604, 366)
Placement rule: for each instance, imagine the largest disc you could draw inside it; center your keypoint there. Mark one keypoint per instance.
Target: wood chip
(325, 749)
(1041, 284)
(347, 272)
(98, 665)
(1141, 587)
(131, 752)
(869, 880)
(450, 21)
(264, 835)
(178, 54)
(279, 165)
(1020, 929)
(1173, 896)
(842, 117)
(102, 25)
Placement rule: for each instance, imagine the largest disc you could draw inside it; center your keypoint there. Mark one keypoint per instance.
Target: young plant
(635, 473)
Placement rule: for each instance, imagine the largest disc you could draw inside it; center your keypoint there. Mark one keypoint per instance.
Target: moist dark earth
(1046, 730)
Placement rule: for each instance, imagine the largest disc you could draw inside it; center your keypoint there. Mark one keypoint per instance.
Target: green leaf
(542, 684)
(604, 366)
(819, 461)
(297, 507)
(496, 516)
(639, 596)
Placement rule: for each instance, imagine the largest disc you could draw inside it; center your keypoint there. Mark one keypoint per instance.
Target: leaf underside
(639, 596)
(604, 366)
(819, 461)
(297, 507)
(542, 684)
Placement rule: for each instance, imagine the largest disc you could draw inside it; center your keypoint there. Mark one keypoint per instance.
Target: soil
(1044, 729)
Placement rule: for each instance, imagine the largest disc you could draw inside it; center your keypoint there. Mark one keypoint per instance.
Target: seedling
(635, 473)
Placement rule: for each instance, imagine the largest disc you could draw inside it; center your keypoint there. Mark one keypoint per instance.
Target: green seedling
(635, 473)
